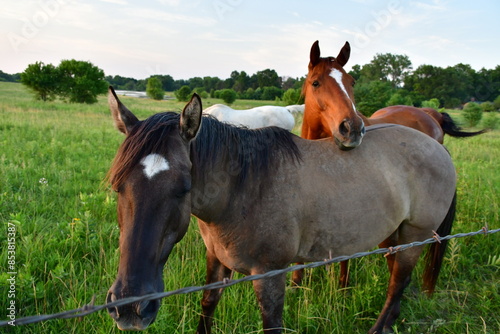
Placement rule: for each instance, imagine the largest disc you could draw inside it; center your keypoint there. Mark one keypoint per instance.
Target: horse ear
(314, 56)
(191, 118)
(125, 120)
(344, 54)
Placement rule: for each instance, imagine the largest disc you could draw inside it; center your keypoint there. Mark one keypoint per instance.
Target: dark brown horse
(267, 198)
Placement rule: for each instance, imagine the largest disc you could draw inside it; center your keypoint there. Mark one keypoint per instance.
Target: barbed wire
(91, 308)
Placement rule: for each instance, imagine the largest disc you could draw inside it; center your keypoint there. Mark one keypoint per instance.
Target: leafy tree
(268, 78)
(80, 81)
(472, 113)
(167, 82)
(271, 93)
(355, 72)
(372, 96)
(453, 85)
(398, 98)
(241, 81)
(424, 81)
(292, 96)
(257, 94)
(491, 121)
(487, 106)
(432, 103)
(183, 93)
(227, 95)
(201, 92)
(195, 82)
(290, 82)
(211, 83)
(249, 94)
(42, 79)
(496, 103)
(154, 89)
(386, 67)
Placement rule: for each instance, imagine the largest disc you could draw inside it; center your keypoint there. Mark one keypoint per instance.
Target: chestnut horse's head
(152, 175)
(329, 100)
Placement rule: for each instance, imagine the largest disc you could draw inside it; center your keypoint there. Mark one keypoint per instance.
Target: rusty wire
(91, 308)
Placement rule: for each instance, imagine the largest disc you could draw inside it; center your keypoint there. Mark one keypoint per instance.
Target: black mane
(249, 151)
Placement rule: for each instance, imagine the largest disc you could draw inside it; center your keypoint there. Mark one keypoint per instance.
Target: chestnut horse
(419, 119)
(266, 198)
(330, 111)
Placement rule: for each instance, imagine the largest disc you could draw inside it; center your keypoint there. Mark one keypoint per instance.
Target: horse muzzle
(134, 316)
(350, 135)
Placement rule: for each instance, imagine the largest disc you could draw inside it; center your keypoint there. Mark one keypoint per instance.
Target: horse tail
(451, 128)
(435, 254)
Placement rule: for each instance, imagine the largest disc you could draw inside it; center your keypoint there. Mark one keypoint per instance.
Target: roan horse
(330, 111)
(236, 181)
(253, 118)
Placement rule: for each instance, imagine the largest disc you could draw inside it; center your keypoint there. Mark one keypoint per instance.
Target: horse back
(411, 117)
(355, 199)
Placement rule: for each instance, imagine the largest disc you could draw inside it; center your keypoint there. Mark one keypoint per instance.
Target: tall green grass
(53, 159)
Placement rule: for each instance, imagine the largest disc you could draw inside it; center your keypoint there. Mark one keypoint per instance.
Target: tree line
(388, 79)
(263, 85)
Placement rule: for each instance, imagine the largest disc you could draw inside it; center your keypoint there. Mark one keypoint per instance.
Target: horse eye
(315, 83)
(184, 190)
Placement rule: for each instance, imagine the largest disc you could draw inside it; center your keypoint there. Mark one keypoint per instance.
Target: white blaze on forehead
(154, 164)
(337, 76)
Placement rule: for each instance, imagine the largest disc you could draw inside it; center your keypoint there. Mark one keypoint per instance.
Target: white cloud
(167, 16)
(188, 39)
(116, 2)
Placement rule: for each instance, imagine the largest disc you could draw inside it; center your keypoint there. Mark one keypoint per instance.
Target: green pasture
(54, 157)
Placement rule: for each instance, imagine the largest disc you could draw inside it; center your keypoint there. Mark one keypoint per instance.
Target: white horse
(296, 108)
(254, 118)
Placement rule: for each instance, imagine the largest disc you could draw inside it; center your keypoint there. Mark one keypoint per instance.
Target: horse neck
(213, 185)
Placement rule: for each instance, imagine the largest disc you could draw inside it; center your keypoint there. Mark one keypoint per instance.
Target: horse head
(151, 173)
(329, 100)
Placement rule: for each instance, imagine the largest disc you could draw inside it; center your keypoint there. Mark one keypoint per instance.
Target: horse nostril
(345, 128)
(113, 311)
(147, 307)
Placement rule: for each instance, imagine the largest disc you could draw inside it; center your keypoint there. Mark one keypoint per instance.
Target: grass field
(53, 159)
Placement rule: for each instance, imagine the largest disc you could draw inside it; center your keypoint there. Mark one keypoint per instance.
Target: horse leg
(389, 242)
(270, 293)
(344, 274)
(216, 272)
(402, 267)
(298, 276)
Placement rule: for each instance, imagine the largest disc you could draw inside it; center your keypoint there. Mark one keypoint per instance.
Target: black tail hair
(451, 128)
(435, 254)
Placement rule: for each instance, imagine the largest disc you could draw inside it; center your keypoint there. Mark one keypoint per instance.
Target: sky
(200, 38)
